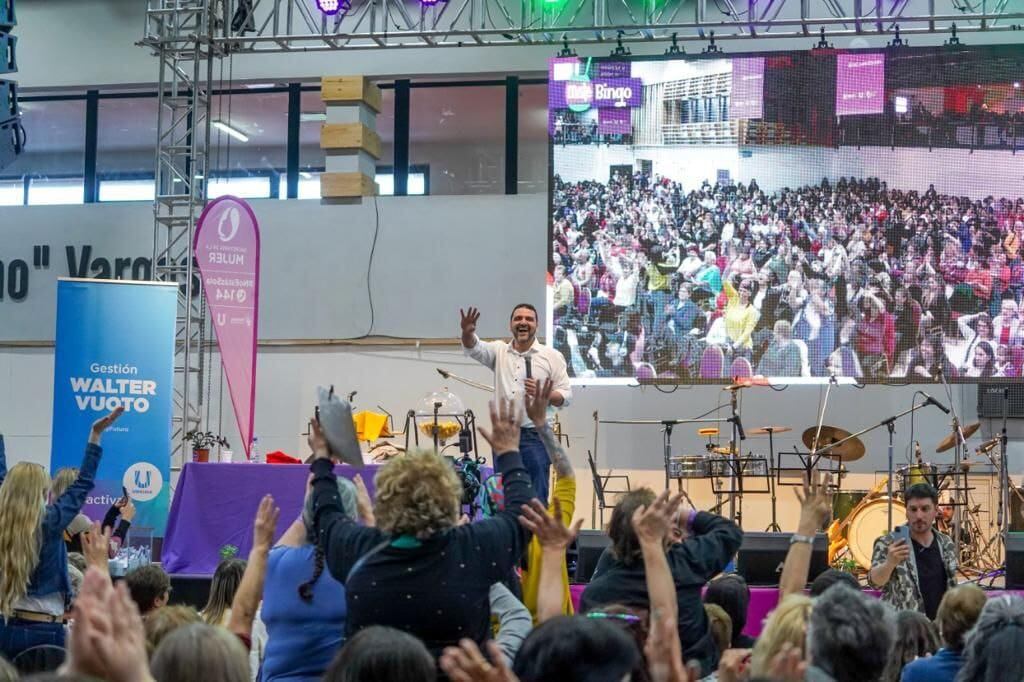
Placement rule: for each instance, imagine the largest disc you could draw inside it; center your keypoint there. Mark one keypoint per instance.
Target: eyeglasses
(625, 617)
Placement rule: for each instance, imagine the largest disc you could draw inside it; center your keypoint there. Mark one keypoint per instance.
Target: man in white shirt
(520, 365)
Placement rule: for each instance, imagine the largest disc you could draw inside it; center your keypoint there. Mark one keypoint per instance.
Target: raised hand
(128, 511)
(364, 507)
(465, 663)
(265, 525)
(108, 641)
(664, 653)
(549, 530)
(316, 440)
(468, 322)
(815, 502)
(95, 547)
(504, 433)
(102, 424)
(537, 403)
(652, 523)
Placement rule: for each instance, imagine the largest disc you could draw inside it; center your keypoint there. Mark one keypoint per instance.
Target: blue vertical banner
(115, 347)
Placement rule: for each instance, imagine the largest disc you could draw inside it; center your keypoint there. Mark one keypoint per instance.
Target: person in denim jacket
(34, 584)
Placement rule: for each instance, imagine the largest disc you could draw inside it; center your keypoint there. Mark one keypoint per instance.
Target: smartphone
(901, 533)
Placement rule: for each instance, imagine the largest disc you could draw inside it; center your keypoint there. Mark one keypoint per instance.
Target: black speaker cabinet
(762, 555)
(589, 545)
(1014, 561)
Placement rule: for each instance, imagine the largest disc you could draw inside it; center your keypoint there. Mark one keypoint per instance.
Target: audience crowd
(847, 277)
(405, 587)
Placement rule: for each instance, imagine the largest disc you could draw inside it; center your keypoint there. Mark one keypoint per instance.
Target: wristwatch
(796, 537)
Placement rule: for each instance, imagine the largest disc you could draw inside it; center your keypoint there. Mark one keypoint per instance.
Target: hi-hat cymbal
(849, 451)
(953, 439)
(765, 430)
(710, 431)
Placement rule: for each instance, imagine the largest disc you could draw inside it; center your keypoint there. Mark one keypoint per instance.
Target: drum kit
(859, 516)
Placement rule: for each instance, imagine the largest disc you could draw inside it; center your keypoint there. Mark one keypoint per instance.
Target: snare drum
(688, 466)
(916, 473)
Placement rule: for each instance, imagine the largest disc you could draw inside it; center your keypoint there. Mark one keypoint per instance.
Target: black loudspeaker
(990, 400)
(762, 555)
(1014, 561)
(589, 546)
(190, 590)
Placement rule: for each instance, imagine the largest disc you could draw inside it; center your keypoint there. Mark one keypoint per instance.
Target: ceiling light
(312, 116)
(233, 132)
(306, 175)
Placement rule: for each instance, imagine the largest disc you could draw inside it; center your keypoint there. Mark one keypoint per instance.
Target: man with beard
(915, 564)
(520, 367)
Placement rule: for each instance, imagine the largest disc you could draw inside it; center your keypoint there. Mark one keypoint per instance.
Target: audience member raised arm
(250, 590)
(815, 510)
(554, 538)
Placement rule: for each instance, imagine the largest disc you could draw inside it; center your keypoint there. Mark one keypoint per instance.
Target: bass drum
(870, 523)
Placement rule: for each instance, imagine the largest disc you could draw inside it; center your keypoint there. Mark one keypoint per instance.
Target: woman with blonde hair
(200, 652)
(787, 624)
(34, 583)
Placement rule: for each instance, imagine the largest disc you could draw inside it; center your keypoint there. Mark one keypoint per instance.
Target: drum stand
(959, 490)
(774, 526)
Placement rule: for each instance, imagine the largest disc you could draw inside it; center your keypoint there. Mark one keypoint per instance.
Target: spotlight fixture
(953, 41)
(897, 41)
(331, 7)
(620, 49)
(674, 47)
(233, 132)
(823, 44)
(712, 48)
(566, 51)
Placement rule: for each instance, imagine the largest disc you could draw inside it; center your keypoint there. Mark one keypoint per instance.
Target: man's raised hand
(469, 318)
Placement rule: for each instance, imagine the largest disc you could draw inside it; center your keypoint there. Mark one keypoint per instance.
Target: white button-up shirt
(509, 367)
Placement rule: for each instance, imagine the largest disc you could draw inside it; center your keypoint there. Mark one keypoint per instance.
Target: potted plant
(202, 441)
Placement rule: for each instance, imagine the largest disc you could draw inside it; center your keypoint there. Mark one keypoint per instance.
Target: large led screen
(792, 215)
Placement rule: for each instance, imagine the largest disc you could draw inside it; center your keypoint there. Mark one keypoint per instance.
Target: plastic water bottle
(255, 456)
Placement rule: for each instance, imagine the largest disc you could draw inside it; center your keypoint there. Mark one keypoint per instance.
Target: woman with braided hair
(304, 606)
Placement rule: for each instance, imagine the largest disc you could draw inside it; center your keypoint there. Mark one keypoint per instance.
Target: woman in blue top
(34, 584)
(303, 607)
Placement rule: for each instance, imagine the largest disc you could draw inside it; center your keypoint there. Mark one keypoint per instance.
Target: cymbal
(765, 430)
(849, 451)
(710, 431)
(953, 439)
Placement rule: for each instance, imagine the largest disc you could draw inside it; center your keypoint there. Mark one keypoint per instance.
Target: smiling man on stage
(519, 366)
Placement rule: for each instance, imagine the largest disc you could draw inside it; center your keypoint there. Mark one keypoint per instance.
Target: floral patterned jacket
(903, 590)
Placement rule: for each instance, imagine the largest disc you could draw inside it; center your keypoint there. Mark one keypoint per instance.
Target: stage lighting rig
(711, 48)
(620, 49)
(674, 48)
(953, 41)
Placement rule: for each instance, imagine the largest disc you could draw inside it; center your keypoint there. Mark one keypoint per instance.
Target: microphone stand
(1005, 515)
(959, 501)
(469, 382)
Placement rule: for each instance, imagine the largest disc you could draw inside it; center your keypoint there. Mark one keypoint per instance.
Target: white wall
(985, 172)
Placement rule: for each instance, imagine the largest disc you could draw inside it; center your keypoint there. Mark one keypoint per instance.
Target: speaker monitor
(762, 555)
(1014, 561)
(589, 544)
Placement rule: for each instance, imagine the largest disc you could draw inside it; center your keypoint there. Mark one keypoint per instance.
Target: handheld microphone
(932, 401)
(529, 367)
(443, 373)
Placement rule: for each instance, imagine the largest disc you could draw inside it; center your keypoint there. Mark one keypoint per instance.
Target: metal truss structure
(190, 37)
(180, 32)
(298, 25)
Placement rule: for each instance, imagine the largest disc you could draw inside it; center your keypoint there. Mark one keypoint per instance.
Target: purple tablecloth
(214, 505)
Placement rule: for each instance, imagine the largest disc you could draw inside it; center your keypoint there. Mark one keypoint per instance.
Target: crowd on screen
(847, 277)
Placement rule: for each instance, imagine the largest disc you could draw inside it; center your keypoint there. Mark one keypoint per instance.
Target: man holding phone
(915, 564)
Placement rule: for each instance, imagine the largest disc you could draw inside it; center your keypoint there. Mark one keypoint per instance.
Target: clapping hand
(504, 433)
(549, 529)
